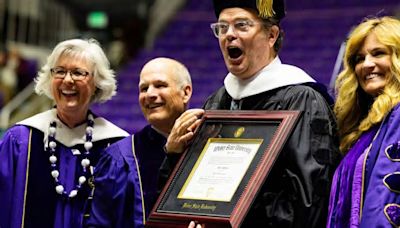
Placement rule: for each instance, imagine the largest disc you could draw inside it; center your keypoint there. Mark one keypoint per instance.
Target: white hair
(87, 50)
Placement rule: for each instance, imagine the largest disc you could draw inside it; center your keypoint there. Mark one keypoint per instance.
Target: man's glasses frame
(241, 26)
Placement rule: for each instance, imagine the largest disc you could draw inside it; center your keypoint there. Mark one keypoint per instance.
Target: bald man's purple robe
(366, 188)
(116, 201)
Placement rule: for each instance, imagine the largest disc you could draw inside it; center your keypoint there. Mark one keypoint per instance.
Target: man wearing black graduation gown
(296, 192)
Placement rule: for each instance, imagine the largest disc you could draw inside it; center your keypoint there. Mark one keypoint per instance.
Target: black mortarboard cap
(265, 8)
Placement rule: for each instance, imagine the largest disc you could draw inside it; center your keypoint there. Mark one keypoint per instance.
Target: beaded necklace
(85, 162)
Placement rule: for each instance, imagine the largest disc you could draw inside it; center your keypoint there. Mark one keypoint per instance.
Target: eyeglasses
(241, 26)
(76, 74)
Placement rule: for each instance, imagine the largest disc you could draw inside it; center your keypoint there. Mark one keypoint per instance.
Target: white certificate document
(220, 169)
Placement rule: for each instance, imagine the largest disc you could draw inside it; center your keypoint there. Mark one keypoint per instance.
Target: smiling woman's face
(73, 97)
(246, 53)
(373, 63)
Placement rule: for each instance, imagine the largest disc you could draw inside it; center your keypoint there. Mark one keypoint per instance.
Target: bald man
(121, 197)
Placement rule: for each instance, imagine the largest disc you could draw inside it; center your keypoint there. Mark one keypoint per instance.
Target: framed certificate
(220, 174)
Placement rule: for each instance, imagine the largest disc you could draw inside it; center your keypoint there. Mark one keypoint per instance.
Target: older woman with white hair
(47, 160)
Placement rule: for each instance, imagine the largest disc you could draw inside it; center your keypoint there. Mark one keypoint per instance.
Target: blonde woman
(365, 189)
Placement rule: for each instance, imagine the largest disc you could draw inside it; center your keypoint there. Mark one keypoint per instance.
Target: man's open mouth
(234, 52)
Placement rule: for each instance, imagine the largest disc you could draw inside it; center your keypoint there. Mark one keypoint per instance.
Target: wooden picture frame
(220, 174)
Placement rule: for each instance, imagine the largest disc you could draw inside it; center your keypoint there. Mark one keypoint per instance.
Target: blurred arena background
(135, 31)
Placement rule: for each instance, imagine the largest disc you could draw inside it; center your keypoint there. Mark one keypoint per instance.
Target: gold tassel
(265, 8)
